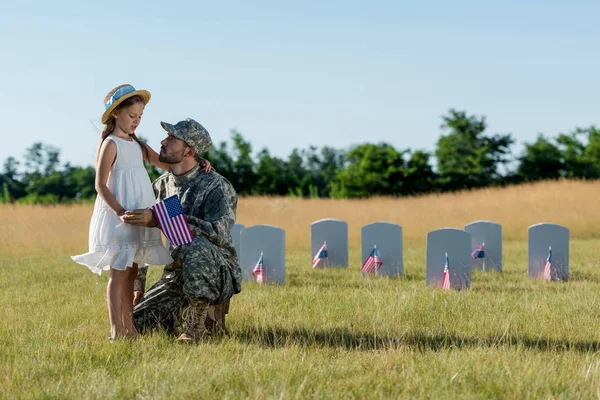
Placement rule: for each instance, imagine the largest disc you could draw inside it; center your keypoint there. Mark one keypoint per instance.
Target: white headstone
(270, 241)
(236, 232)
(488, 234)
(457, 244)
(334, 233)
(541, 238)
(388, 239)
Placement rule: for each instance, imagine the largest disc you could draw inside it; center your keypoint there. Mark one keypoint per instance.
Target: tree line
(466, 157)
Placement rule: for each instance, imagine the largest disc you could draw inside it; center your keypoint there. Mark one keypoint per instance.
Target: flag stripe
(372, 263)
(160, 210)
(446, 281)
(185, 230)
(175, 227)
(169, 227)
(258, 270)
(322, 253)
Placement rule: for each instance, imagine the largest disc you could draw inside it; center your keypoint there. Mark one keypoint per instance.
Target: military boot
(215, 323)
(194, 322)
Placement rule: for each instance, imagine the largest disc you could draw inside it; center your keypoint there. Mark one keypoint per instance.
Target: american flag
(258, 270)
(548, 266)
(321, 254)
(446, 282)
(478, 252)
(372, 263)
(172, 222)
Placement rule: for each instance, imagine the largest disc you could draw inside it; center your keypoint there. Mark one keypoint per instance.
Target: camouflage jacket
(209, 203)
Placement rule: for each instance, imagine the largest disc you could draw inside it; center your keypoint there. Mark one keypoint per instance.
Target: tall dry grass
(64, 229)
(569, 203)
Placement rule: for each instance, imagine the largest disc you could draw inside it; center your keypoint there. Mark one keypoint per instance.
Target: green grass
(324, 334)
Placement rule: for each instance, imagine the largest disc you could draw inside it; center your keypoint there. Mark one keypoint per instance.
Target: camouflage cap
(192, 133)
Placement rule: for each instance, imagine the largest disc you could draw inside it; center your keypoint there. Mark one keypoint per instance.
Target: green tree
(42, 181)
(540, 160)
(419, 175)
(236, 165)
(322, 167)
(591, 154)
(298, 178)
(10, 177)
(574, 160)
(271, 174)
(373, 169)
(80, 182)
(467, 158)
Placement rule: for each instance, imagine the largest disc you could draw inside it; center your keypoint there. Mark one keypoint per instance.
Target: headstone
(334, 233)
(457, 244)
(542, 237)
(270, 241)
(486, 234)
(388, 239)
(236, 232)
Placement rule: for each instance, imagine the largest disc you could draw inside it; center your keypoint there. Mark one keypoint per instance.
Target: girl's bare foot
(116, 334)
(132, 334)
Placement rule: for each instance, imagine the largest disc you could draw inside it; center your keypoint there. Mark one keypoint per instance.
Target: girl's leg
(128, 302)
(114, 296)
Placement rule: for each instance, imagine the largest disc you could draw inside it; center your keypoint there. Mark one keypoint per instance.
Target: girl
(123, 184)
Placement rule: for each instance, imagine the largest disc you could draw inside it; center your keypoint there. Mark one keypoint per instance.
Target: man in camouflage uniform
(197, 286)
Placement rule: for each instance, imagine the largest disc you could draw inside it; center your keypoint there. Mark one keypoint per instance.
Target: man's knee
(202, 269)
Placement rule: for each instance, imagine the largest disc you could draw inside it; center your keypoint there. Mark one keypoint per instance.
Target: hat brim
(144, 94)
(173, 131)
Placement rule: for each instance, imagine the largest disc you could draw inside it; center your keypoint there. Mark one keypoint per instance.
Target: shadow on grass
(343, 338)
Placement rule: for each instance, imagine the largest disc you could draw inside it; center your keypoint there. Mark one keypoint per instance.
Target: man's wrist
(154, 220)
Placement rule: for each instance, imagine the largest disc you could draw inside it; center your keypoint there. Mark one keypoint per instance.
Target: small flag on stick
(321, 254)
(172, 222)
(446, 281)
(548, 265)
(372, 263)
(258, 270)
(478, 252)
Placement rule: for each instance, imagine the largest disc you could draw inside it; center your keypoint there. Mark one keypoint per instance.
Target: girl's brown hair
(111, 124)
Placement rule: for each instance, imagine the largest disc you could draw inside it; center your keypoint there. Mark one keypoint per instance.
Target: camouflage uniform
(205, 273)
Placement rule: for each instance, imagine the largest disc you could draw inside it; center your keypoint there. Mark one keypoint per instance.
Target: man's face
(173, 150)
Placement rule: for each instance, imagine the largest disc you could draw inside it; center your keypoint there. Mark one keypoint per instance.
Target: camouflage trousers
(199, 274)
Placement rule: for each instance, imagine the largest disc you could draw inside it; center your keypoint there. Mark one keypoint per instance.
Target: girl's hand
(206, 167)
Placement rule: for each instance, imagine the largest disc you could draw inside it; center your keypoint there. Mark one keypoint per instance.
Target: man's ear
(191, 152)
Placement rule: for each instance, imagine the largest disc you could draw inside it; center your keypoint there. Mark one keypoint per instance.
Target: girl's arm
(153, 159)
(106, 158)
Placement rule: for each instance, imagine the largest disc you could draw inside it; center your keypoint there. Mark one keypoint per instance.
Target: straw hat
(119, 94)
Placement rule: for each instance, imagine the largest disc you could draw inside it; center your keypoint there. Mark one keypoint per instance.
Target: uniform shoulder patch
(215, 205)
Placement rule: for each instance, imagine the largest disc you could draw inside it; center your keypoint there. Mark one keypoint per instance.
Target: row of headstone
(451, 253)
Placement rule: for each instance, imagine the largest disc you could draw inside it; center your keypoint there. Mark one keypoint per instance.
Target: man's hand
(136, 297)
(140, 218)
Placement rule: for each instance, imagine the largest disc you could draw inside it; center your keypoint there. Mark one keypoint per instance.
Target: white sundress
(113, 243)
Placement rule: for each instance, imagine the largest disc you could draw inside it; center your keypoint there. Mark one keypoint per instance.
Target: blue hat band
(118, 94)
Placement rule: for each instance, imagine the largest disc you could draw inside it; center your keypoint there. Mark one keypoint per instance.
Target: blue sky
(295, 74)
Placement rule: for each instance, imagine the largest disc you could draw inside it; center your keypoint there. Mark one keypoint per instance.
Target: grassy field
(326, 333)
